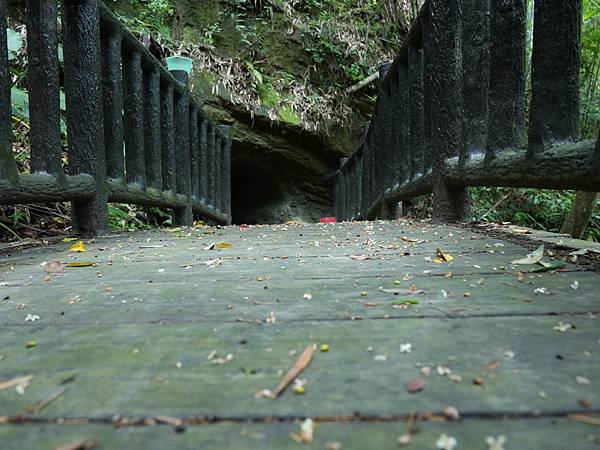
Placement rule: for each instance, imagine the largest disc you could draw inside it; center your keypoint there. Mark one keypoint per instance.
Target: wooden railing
(135, 134)
(451, 111)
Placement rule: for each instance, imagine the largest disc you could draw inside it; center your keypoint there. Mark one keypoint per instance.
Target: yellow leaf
(58, 219)
(82, 264)
(78, 247)
(224, 245)
(69, 239)
(174, 230)
(291, 222)
(442, 257)
(521, 231)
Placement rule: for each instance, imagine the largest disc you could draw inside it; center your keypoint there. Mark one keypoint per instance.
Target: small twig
(590, 420)
(39, 406)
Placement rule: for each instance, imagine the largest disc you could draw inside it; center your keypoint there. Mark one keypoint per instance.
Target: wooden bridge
(354, 335)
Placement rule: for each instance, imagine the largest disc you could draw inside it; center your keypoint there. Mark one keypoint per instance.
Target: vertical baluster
(475, 73)
(336, 196)
(226, 172)
(403, 124)
(348, 189)
(204, 169)
(446, 107)
(219, 165)
(167, 120)
(358, 183)
(366, 170)
(507, 77)
(133, 119)
(112, 100)
(417, 117)
(81, 35)
(427, 89)
(554, 112)
(384, 131)
(373, 169)
(194, 150)
(183, 216)
(210, 199)
(351, 185)
(152, 119)
(343, 189)
(8, 169)
(42, 77)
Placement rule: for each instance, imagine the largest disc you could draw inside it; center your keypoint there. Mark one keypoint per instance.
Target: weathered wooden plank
(131, 370)
(528, 434)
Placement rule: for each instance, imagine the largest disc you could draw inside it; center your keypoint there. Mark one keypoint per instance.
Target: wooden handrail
(451, 111)
(135, 133)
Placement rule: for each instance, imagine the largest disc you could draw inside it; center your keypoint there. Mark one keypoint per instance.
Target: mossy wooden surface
(524, 434)
(132, 336)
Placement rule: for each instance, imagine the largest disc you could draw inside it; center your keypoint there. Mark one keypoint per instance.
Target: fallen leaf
(582, 381)
(532, 258)
(415, 385)
(408, 301)
(84, 444)
(359, 257)
(224, 245)
(81, 264)
(307, 431)
(442, 257)
(174, 230)
(491, 365)
(78, 247)
(546, 267)
(54, 267)
(301, 363)
(71, 239)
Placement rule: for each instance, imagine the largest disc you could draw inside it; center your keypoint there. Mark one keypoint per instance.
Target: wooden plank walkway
(146, 332)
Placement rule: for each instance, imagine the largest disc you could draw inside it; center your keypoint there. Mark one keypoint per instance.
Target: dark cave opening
(257, 190)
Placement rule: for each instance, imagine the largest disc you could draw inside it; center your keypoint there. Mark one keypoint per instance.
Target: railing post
(427, 90)
(194, 150)
(212, 166)
(449, 205)
(183, 216)
(404, 152)
(204, 169)
(112, 96)
(219, 164)
(554, 112)
(342, 190)
(152, 119)
(226, 172)
(133, 109)
(8, 169)
(358, 183)
(43, 81)
(167, 121)
(416, 111)
(507, 77)
(84, 110)
(475, 38)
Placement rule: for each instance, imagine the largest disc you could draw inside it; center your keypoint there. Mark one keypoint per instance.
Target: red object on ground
(328, 220)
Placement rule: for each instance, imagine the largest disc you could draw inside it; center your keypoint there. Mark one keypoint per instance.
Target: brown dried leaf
(415, 385)
(301, 363)
(54, 267)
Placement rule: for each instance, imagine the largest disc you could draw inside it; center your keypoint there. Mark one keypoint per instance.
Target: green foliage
(535, 208)
(122, 217)
(590, 69)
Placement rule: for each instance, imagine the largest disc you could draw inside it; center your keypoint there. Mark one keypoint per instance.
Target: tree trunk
(580, 214)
